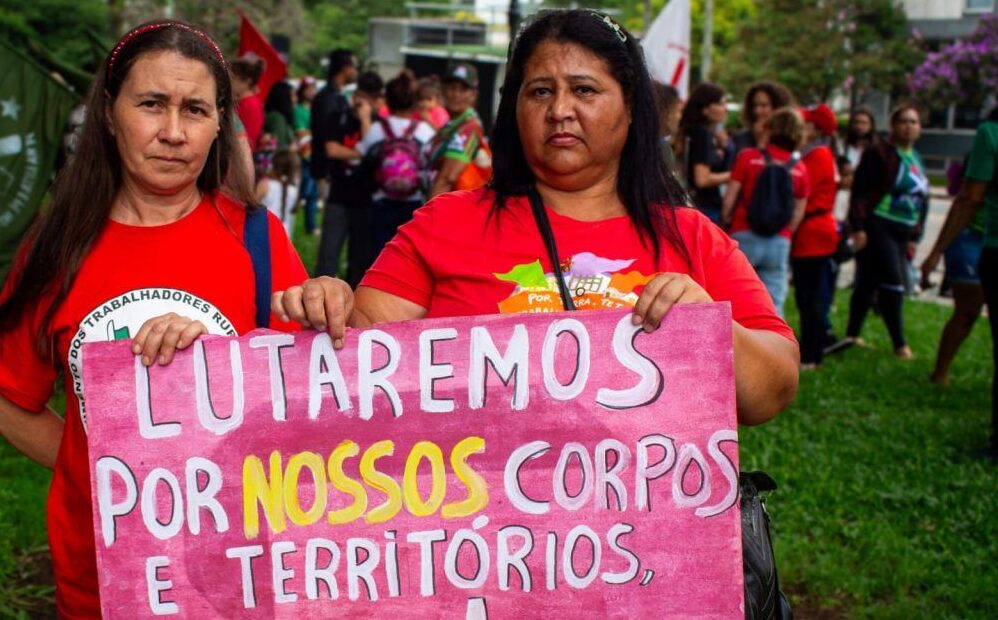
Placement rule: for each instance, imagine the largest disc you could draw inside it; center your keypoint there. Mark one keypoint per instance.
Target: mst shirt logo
(594, 282)
(120, 318)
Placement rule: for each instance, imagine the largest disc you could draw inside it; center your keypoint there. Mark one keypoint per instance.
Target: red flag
(251, 40)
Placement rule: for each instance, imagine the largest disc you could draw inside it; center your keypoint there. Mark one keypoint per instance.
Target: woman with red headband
(139, 234)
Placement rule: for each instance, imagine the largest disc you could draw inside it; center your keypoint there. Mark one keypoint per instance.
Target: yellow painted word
(277, 493)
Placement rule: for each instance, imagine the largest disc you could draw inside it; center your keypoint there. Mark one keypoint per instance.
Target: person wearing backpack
(765, 201)
(394, 151)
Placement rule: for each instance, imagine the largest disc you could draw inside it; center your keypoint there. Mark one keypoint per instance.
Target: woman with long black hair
(707, 161)
(577, 136)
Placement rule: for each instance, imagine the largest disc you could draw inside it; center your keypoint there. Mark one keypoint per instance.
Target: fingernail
(285, 318)
(146, 361)
(648, 327)
(320, 326)
(162, 360)
(636, 319)
(136, 348)
(338, 343)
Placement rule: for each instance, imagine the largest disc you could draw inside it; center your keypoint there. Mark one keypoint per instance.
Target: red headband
(125, 40)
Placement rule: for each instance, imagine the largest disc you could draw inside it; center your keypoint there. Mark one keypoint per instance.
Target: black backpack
(771, 206)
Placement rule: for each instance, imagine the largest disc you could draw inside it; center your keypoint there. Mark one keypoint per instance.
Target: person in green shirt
(979, 193)
(303, 135)
(887, 211)
(279, 118)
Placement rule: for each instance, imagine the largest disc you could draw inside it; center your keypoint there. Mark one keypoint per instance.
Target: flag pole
(708, 39)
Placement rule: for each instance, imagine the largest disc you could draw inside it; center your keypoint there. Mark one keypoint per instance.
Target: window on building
(978, 6)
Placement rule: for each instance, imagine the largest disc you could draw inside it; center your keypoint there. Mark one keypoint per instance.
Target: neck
(904, 146)
(135, 207)
(598, 201)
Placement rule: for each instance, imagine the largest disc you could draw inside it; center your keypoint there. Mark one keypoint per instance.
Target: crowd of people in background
(880, 180)
(379, 151)
(370, 152)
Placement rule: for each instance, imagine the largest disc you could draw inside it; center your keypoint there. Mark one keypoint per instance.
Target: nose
(561, 107)
(172, 131)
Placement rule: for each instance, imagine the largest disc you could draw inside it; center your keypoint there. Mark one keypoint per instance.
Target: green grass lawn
(880, 511)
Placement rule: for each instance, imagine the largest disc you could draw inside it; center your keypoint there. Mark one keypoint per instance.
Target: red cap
(822, 117)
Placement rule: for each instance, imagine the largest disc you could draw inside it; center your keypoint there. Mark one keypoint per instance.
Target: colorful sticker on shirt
(595, 283)
(120, 318)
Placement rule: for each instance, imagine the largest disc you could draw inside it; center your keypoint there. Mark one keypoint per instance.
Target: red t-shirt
(196, 266)
(455, 259)
(250, 110)
(748, 165)
(818, 234)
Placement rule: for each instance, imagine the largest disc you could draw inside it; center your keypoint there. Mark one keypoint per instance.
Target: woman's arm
(766, 373)
(36, 435)
(447, 176)
(730, 198)
(704, 178)
(965, 206)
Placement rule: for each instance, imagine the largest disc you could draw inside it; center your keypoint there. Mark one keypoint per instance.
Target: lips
(563, 138)
(170, 160)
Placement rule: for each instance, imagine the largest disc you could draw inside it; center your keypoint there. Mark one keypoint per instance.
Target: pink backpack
(397, 160)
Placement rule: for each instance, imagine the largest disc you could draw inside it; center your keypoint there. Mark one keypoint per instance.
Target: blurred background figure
(430, 103)
(279, 114)
(460, 157)
(768, 254)
(887, 211)
(246, 71)
(395, 152)
(861, 133)
(670, 110)
(817, 237)
(707, 165)
(303, 137)
(761, 100)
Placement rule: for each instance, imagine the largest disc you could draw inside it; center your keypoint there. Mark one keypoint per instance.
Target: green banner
(34, 108)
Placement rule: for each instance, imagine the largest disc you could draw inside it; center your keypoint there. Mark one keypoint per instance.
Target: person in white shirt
(395, 151)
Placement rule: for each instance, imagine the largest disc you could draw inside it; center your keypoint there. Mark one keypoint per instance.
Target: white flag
(667, 46)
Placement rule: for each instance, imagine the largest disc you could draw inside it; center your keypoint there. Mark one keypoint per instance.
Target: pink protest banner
(545, 466)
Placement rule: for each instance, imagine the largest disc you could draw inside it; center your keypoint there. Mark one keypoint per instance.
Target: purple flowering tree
(963, 73)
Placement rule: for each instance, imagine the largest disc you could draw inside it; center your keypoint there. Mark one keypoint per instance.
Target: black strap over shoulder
(544, 225)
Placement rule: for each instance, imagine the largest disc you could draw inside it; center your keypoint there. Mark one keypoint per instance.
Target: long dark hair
(279, 100)
(84, 190)
(852, 138)
(648, 191)
(779, 97)
(400, 92)
(703, 95)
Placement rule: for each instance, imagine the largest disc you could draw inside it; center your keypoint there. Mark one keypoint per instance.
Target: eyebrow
(575, 77)
(158, 96)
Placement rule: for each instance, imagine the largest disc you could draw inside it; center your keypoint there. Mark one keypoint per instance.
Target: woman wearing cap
(577, 134)
(887, 211)
(137, 229)
(460, 157)
(817, 237)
